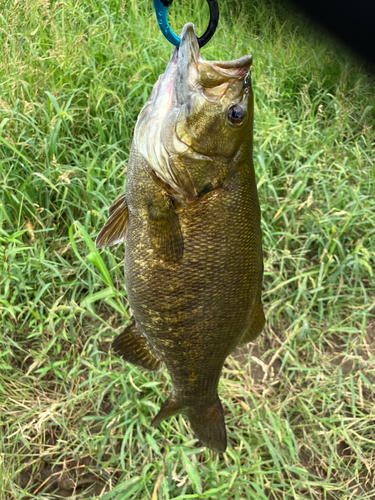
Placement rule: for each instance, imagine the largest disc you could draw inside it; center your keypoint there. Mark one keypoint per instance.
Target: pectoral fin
(114, 230)
(132, 346)
(256, 324)
(165, 232)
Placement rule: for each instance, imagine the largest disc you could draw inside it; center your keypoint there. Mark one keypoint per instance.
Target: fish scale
(193, 260)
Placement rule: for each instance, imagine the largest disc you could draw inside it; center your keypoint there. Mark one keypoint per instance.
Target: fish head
(198, 118)
(213, 98)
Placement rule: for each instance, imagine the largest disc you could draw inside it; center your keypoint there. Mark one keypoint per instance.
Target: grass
(299, 403)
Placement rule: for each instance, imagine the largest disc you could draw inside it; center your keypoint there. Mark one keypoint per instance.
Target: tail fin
(209, 426)
(169, 408)
(208, 423)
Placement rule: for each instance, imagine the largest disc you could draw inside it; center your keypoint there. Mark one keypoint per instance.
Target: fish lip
(241, 62)
(186, 61)
(189, 58)
(189, 42)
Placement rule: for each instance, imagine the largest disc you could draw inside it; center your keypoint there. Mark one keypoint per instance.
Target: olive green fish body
(193, 260)
(194, 313)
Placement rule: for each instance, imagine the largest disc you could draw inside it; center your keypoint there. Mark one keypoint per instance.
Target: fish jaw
(155, 136)
(187, 69)
(195, 75)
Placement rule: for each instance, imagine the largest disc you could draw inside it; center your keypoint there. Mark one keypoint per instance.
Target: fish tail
(209, 426)
(169, 408)
(207, 423)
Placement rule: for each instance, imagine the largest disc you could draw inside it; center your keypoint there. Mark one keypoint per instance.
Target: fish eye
(236, 114)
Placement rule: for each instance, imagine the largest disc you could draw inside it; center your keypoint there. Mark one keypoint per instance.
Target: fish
(190, 217)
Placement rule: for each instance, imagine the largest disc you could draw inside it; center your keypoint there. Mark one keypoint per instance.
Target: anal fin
(256, 325)
(132, 346)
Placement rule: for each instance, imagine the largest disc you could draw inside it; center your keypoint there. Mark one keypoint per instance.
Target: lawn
(299, 402)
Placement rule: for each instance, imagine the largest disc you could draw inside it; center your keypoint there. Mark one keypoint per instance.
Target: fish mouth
(192, 71)
(187, 72)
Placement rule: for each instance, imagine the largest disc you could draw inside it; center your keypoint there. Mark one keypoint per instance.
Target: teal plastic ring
(161, 9)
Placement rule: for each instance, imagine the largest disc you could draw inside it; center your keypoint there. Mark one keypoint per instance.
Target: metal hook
(161, 8)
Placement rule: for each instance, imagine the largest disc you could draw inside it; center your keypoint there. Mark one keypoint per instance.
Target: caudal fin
(207, 423)
(168, 409)
(209, 426)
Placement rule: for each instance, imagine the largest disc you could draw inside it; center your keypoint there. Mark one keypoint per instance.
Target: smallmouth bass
(190, 217)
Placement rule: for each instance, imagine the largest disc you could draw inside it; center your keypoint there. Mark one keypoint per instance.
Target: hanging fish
(191, 221)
